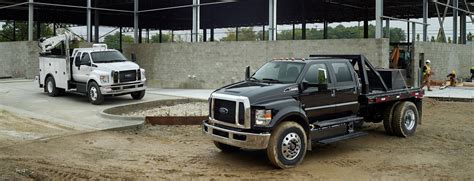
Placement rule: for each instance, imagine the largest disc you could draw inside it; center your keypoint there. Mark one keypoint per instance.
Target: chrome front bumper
(123, 89)
(236, 138)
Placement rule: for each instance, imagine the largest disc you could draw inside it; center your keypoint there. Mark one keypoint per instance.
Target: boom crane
(47, 44)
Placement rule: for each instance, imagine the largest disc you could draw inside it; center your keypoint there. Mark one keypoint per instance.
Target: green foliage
(338, 32)
(21, 31)
(469, 36)
(113, 41)
(164, 38)
(245, 34)
(433, 39)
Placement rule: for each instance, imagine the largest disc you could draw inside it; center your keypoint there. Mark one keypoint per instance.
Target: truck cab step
(337, 121)
(344, 137)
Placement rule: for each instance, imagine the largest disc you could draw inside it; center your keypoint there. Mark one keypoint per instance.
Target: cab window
(314, 75)
(342, 72)
(85, 59)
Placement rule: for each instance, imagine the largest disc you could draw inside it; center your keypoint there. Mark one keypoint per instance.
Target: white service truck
(93, 72)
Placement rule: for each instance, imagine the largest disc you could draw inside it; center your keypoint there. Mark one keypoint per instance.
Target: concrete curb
(115, 117)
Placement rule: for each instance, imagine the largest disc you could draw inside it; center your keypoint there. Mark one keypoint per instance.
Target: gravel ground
(188, 109)
(441, 149)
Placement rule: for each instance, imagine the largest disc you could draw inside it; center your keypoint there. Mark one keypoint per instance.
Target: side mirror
(134, 57)
(247, 73)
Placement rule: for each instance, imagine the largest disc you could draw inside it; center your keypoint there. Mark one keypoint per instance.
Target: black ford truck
(288, 105)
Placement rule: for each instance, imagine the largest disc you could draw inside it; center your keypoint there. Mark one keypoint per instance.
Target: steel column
(96, 23)
(30, 20)
(196, 20)
(212, 34)
(160, 38)
(387, 28)
(135, 21)
(463, 29)
(325, 30)
(293, 35)
(236, 33)
(272, 14)
(89, 21)
(303, 31)
(263, 33)
(204, 35)
(140, 34)
(120, 38)
(378, 18)
(413, 32)
(425, 20)
(455, 21)
(38, 29)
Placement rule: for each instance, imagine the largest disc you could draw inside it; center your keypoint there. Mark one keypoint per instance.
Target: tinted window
(85, 58)
(343, 74)
(108, 57)
(313, 76)
(285, 72)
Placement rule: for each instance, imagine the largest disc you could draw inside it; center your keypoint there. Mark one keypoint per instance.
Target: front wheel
(138, 95)
(287, 146)
(405, 119)
(94, 94)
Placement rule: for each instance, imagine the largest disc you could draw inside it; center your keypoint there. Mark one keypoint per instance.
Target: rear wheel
(138, 95)
(50, 87)
(287, 146)
(388, 117)
(226, 148)
(94, 94)
(405, 119)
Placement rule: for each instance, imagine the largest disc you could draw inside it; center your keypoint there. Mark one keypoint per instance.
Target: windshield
(279, 72)
(107, 57)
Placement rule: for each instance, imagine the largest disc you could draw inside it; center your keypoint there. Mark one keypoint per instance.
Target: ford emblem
(223, 110)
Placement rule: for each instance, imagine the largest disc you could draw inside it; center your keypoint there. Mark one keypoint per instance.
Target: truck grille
(128, 76)
(224, 111)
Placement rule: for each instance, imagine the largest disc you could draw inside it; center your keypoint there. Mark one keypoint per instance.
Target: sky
(219, 33)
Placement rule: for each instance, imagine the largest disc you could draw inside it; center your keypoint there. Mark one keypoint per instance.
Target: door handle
(333, 93)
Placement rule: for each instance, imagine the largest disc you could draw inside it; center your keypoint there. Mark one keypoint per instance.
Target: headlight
(142, 72)
(263, 117)
(104, 79)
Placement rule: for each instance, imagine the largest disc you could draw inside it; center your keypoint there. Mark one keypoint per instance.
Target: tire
(359, 124)
(50, 87)
(94, 94)
(405, 119)
(388, 117)
(288, 136)
(138, 95)
(226, 148)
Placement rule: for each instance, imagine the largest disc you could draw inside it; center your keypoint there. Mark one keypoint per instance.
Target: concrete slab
(451, 93)
(25, 98)
(187, 93)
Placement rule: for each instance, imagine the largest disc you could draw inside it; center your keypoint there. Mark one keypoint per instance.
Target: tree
(21, 31)
(164, 38)
(418, 37)
(469, 36)
(433, 39)
(449, 40)
(245, 34)
(113, 41)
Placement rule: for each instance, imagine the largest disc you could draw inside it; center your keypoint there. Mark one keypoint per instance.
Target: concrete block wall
(447, 57)
(214, 64)
(19, 59)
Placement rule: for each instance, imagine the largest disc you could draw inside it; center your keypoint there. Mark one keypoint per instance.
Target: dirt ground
(442, 149)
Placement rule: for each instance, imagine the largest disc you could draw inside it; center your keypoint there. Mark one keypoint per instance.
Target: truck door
(82, 67)
(346, 90)
(318, 103)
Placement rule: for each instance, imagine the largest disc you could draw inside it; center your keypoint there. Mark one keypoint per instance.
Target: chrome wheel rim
(410, 120)
(50, 86)
(93, 93)
(291, 146)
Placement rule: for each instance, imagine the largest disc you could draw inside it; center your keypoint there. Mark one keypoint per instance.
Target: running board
(344, 137)
(337, 121)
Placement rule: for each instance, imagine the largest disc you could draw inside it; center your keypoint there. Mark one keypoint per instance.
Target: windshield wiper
(253, 78)
(271, 80)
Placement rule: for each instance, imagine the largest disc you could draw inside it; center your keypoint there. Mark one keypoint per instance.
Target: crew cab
(93, 72)
(288, 105)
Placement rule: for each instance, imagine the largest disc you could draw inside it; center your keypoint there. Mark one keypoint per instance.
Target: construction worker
(427, 75)
(452, 80)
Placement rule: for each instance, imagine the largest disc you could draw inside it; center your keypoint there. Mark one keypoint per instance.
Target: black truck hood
(259, 92)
